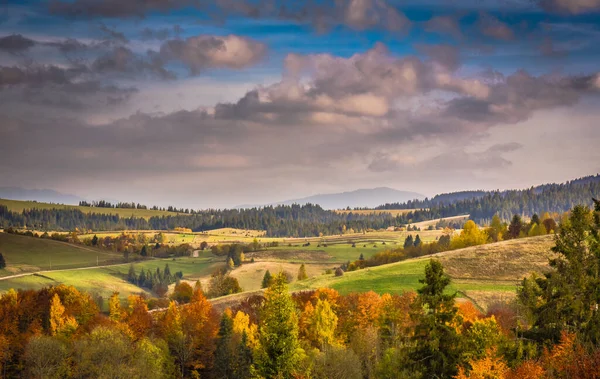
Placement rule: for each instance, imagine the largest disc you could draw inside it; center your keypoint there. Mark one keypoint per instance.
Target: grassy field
(106, 280)
(19, 206)
(484, 274)
(393, 212)
(27, 254)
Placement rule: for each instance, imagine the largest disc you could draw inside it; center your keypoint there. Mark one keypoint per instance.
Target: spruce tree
(417, 241)
(131, 276)
(437, 351)
(142, 278)
(280, 351)
(224, 359)
(408, 242)
(144, 251)
(243, 368)
(2, 261)
(302, 272)
(267, 280)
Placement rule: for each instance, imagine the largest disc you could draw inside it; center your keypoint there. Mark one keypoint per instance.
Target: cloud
(32, 75)
(444, 25)
(323, 15)
(15, 43)
(571, 6)
(492, 27)
(202, 52)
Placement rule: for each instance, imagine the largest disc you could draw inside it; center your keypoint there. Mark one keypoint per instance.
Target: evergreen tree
(408, 242)
(144, 252)
(267, 280)
(280, 351)
(302, 272)
(2, 261)
(142, 278)
(224, 358)
(437, 343)
(535, 219)
(362, 257)
(243, 368)
(566, 298)
(417, 241)
(95, 240)
(131, 276)
(515, 227)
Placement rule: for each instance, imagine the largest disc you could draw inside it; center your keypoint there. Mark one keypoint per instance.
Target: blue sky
(364, 93)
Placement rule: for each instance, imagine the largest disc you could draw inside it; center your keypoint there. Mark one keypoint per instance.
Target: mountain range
(40, 195)
(361, 198)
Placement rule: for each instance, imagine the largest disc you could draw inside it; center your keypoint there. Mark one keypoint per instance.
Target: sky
(214, 103)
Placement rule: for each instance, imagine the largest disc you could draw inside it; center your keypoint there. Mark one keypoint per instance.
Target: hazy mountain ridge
(361, 198)
(40, 195)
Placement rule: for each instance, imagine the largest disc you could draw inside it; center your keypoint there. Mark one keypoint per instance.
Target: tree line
(482, 205)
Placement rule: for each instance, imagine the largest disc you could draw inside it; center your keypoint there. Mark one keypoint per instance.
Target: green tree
(437, 350)
(131, 276)
(567, 298)
(417, 242)
(302, 272)
(2, 261)
(144, 251)
(280, 353)
(496, 230)
(408, 242)
(267, 280)
(244, 367)
(95, 240)
(224, 356)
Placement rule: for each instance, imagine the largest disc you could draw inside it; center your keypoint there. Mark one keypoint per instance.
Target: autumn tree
(46, 357)
(319, 324)
(437, 351)
(60, 323)
(182, 293)
(471, 235)
(279, 353)
(302, 272)
(496, 229)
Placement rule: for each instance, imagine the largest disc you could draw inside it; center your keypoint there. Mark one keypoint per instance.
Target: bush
(339, 271)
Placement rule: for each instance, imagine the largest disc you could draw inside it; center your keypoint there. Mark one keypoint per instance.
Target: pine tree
(267, 280)
(131, 276)
(417, 241)
(2, 261)
(95, 240)
(144, 252)
(408, 242)
(280, 351)
(515, 227)
(302, 272)
(243, 368)
(224, 356)
(437, 343)
(142, 278)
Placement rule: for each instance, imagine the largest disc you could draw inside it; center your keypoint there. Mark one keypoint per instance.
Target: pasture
(27, 254)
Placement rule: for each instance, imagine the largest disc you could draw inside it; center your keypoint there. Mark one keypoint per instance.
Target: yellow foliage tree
(241, 324)
(114, 308)
(488, 367)
(318, 324)
(471, 235)
(60, 324)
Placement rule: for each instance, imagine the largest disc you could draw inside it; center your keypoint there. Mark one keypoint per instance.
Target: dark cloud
(112, 35)
(571, 6)
(32, 75)
(123, 60)
(15, 43)
(356, 14)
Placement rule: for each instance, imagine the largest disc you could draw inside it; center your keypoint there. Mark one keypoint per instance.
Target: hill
(42, 195)
(361, 198)
(20, 206)
(26, 254)
(485, 274)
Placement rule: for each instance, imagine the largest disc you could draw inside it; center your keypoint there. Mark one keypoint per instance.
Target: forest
(59, 332)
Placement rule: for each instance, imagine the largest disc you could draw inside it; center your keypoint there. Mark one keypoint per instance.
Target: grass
(106, 280)
(484, 273)
(27, 254)
(19, 206)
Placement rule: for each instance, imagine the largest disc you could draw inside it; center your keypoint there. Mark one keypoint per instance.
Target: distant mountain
(41, 195)
(361, 198)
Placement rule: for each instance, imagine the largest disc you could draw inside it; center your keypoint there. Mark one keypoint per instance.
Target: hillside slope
(486, 273)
